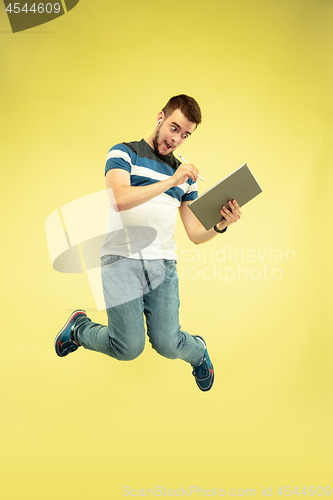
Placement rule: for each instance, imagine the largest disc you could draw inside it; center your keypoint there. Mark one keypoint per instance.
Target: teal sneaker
(64, 342)
(204, 373)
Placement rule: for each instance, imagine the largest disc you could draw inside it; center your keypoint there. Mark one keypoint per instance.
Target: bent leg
(161, 307)
(124, 337)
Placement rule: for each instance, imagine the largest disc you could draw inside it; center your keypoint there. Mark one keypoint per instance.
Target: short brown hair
(187, 105)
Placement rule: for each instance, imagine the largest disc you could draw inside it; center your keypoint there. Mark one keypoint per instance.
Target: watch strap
(219, 231)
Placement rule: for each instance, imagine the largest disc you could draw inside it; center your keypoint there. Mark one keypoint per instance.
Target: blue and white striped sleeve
(118, 157)
(191, 193)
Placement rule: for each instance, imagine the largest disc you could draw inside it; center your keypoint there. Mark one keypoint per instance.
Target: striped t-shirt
(147, 230)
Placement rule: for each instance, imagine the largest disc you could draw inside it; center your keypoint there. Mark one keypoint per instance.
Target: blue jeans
(134, 289)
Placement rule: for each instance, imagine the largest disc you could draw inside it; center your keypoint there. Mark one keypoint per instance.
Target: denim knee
(166, 348)
(129, 352)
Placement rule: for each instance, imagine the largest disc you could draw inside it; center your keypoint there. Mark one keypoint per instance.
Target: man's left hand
(230, 214)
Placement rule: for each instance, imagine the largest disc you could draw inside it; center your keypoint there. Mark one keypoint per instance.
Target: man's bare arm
(196, 231)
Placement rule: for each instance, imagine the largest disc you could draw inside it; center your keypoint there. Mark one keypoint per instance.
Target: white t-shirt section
(146, 231)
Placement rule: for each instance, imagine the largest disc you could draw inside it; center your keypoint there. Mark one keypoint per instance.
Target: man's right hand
(184, 172)
(123, 196)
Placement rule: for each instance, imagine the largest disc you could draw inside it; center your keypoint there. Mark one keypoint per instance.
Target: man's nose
(175, 138)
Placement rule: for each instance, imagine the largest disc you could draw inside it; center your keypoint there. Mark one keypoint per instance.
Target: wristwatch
(218, 230)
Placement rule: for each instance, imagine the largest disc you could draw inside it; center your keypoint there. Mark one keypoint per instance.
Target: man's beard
(155, 143)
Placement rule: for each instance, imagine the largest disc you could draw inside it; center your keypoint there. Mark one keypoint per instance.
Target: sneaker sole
(78, 311)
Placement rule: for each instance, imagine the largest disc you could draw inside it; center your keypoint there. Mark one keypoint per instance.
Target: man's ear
(160, 116)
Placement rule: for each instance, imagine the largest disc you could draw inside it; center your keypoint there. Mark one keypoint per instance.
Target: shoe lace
(202, 370)
(69, 346)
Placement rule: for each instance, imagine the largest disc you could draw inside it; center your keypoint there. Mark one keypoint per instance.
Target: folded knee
(166, 349)
(130, 352)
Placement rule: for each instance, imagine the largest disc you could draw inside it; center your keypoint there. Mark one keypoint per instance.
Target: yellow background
(86, 426)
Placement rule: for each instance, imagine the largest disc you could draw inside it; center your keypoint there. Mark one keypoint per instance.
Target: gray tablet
(240, 186)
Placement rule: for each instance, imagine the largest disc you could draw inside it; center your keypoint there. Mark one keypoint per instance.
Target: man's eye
(185, 136)
(173, 128)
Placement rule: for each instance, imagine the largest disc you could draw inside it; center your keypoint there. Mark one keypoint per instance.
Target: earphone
(159, 121)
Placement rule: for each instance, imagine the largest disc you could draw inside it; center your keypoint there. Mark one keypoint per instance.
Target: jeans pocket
(170, 264)
(109, 260)
(170, 267)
